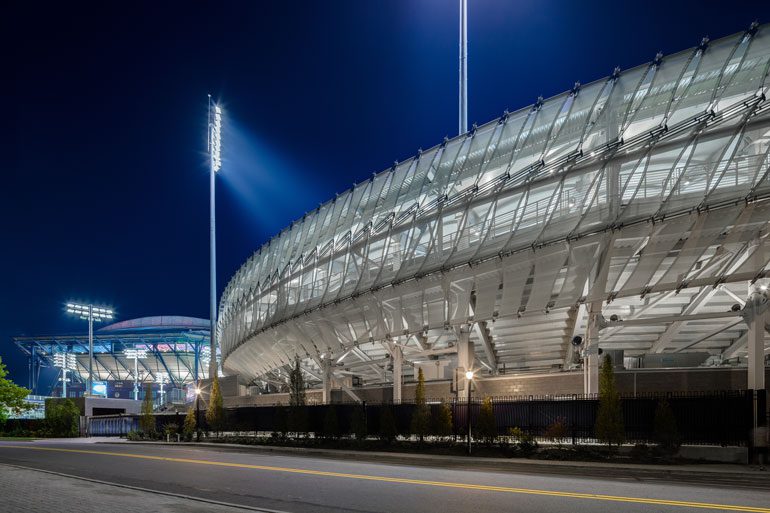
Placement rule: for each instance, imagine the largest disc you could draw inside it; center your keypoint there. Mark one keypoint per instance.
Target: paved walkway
(32, 491)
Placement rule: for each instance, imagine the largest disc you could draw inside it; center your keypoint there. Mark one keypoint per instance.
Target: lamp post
(197, 413)
(136, 354)
(91, 314)
(160, 378)
(66, 362)
(469, 377)
(215, 152)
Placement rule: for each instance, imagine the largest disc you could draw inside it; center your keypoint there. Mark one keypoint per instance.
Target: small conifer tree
(421, 415)
(443, 421)
(215, 414)
(147, 420)
(609, 419)
(190, 425)
(487, 426)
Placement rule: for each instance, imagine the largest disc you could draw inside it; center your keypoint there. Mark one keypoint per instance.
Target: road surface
(300, 484)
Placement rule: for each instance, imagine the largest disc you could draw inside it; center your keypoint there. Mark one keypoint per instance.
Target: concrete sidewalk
(35, 491)
(717, 473)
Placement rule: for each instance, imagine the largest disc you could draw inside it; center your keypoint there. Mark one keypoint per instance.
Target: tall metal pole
(470, 383)
(90, 348)
(213, 257)
(136, 376)
(463, 67)
(64, 381)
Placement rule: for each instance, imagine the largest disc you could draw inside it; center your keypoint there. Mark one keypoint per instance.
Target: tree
(666, 431)
(609, 419)
(331, 424)
(388, 430)
(62, 417)
(296, 386)
(421, 415)
(358, 423)
(147, 420)
(297, 409)
(487, 426)
(12, 396)
(443, 422)
(189, 424)
(215, 413)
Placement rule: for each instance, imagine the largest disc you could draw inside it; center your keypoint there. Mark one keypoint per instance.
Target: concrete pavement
(300, 484)
(34, 491)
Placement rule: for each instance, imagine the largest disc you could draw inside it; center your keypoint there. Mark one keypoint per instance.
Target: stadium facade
(627, 216)
(174, 346)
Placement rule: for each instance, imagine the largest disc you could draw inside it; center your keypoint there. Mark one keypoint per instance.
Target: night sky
(105, 195)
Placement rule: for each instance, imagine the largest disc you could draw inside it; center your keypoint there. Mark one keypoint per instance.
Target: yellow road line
(420, 482)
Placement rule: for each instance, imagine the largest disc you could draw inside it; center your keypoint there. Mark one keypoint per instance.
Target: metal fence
(719, 418)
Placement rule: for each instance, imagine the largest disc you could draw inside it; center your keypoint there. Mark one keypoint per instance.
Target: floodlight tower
(66, 362)
(161, 378)
(463, 117)
(215, 152)
(136, 354)
(91, 314)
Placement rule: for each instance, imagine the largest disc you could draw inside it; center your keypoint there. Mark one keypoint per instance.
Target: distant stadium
(175, 348)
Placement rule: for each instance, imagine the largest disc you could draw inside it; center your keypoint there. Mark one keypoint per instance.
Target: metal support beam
(486, 338)
(466, 356)
(326, 374)
(398, 365)
(597, 288)
(651, 321)
(696, 303)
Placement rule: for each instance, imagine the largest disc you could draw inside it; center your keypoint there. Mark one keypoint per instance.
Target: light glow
(469, 375)
(216, 139)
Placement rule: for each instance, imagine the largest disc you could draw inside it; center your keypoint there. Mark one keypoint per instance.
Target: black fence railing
(715, 418)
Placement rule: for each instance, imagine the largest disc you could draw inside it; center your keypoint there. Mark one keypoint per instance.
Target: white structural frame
(630, 211)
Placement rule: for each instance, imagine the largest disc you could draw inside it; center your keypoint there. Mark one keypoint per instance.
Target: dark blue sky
(104, 193)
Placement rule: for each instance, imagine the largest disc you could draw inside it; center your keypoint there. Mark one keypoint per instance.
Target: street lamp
(91, 314)
(66, 362)
(215, 151)
(136, 354)
(469, 377)
(197, 414)
(161, 378)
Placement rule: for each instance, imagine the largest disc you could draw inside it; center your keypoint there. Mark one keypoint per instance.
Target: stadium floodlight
(216, 139)
(215, 152)
(136, 354)
(66, 362)
(161, 378)
(91, 314)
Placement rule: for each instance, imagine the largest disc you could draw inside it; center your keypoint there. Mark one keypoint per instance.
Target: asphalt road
(296, 484)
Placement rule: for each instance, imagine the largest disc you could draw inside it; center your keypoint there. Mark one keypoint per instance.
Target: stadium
(626, 217)
(173, 350)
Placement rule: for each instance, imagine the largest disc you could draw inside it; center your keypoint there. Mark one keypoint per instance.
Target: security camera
(577, 340)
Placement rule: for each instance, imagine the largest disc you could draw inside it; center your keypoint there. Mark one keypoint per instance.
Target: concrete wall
(126, 405)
